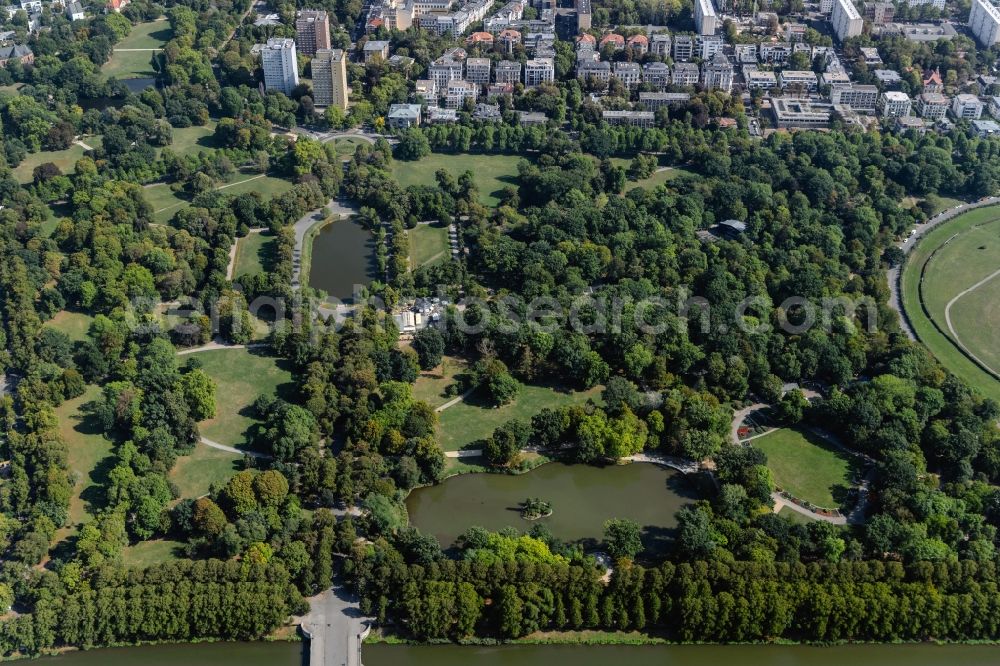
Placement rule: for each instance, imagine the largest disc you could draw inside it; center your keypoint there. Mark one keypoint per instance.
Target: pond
(343, 256)
(582, 498)
(198, 654)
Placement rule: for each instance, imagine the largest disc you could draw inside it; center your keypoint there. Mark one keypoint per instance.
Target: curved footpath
(894, 274)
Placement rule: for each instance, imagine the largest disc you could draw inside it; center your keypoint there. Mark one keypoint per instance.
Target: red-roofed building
(374, 24)
(508, 39)
(483, 39)
(933, 82)
(638, 44)
(615, 40)
(117, 5)
(586, 41)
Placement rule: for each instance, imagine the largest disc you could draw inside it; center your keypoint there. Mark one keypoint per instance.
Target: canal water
(343, 255)
(582, 498)
(293, 654)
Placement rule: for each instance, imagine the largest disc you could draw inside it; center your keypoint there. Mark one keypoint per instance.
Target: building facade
(705, 20)
(281, 68)
(312, 31)
(329, 77)
(846, 20)
(894, 104)
(538, 71)
(984, 22)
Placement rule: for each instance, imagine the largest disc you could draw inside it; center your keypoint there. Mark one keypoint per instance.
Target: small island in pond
(534, 508)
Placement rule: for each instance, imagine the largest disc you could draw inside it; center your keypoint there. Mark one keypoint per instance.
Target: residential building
(755, 79)
(651, 101)
(683, 48)
(889, 78)
(483, 40)
(435, 115)
(858, 97)
(507, 71)
(531, 118)
(904, 123)
(801, 79)
(538, 71)
(601, 71)
(443, 70)
(18, 52)
(312, 31)
(583, 15)
(495, 91)
(376, 49)
(659, 44)
(629, 73)
(893, 104)
(329, 78)
(403, 116)
(825, 7)
(717, 73)
(937, 4)
(705, 19)
(795, 32)
(586, 41)
(870, 53)
(616, 40)
(985, 128)
(984, 22)
(880, 13)
(707, 45)
(834, 78)
(932, 105)
(966, 107)
(117, 5)
(425, 88)
(790, 112)
(845, 19)
(487, 112)
(456, 92)
(656, 74)
(477, 70)
(775, 53)
(507, 40)
(633, 118)
(746, 54)
(638, 44)
(74, 11)
(932, 81)
(685, 74)
(281, 68)
(994, 107)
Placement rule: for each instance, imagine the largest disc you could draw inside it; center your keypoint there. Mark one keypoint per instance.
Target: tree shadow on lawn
(162, 35)
(88, 425)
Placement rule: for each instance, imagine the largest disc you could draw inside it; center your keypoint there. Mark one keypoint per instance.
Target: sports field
(951, 294)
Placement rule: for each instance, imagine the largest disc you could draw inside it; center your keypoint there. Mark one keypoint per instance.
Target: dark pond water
(343, 256)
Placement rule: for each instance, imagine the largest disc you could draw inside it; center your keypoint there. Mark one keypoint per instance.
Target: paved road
(305, 223)
(334, 626)
(895, 298)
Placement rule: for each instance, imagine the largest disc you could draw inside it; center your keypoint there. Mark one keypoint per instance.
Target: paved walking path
(739, 416)
(335, 628)
(219, 344)
(780, 502)
(229, 449)
(231, 268)
(83, 145)
(674, 462)
(954, 333)
(894, 273)
(455, 401)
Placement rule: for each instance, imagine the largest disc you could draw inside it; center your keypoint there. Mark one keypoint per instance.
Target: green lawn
(129, 64)
(660, 176)
(194, 474)
(347, 146)
(188, 140)
(795, 516)
(491, 173)
(430, 385)
(240, 375)
(467, 421)
(73, 324)
(147, 553)
(938, 203)
(428, 244)
(64, 159)
(806, 466)
(969, 251)
(253, 253)
(88, 454)
(166, 202)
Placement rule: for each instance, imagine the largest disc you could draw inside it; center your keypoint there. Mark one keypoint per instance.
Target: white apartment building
(775, 53)
(600, 71)
(708, 45)
(329, 78)
(659, 44)
(937, 4)
(633, 118)
(538, 71)
(444, 70)
(800, 78)
(656, 74)
(717, 73)
(507, 71)
(683, 48)
(705, 19)
(459, 91)
(685, 74)
(932, 105)
(756, 79)
(994, 107)
(858, 97)
(281, 69)
(966, 107)
(846, 20)
(477, 70)
(629, 73)
(984, 22)
(894, 104)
